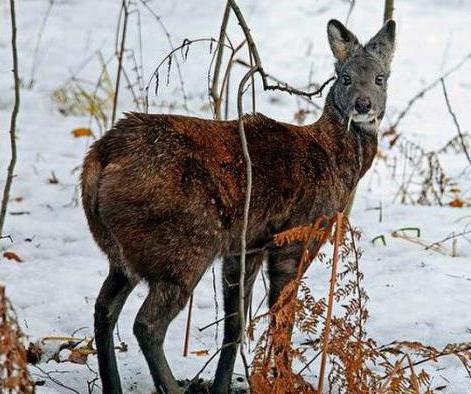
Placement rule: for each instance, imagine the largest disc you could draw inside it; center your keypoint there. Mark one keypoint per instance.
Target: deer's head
(360, 90)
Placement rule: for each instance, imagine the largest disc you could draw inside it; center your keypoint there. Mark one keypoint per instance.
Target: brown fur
(172, 187)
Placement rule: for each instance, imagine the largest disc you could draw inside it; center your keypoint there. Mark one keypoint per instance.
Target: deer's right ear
(342, 41)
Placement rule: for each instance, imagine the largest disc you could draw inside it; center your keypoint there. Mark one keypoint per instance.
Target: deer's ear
(382, 44)
(342, 41)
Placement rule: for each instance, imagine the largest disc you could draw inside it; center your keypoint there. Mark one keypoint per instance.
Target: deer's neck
(352, 149)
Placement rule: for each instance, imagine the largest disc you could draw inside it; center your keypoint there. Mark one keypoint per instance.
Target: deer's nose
(363, 105)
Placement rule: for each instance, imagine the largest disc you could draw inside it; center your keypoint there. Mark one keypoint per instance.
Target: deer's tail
(91, 173)
(90, 182)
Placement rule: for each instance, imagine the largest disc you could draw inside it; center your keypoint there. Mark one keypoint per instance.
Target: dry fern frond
(14, 376)
(357, 363)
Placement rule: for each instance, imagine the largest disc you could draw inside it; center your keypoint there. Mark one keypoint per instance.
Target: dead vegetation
(358, 364)
(14, 377)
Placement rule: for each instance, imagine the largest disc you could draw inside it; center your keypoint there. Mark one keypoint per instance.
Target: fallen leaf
(78, 356)
(12, 256)
(82, 132)
(203, 352)
(456, 203)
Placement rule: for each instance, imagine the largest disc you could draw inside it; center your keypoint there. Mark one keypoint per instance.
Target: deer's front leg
(231, 273)
(282, 268)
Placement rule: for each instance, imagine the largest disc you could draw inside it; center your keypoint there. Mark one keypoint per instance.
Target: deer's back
(170, 179)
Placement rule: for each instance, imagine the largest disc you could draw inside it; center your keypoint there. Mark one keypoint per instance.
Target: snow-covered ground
(416, 294)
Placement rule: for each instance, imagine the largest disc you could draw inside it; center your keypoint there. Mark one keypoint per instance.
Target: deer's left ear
(342, 41)
(382, 44)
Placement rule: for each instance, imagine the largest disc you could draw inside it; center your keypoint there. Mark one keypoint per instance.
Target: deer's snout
(363, 105)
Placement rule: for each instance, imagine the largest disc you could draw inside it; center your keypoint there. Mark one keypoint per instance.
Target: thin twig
(159, 20)
(14, 115)
(427, 88)
(197, 375)
(49, 376)
(243, 236)
(455, 120)
(124, 8)
(214, 91)
(307, 365)
(184, 49)
(434, 357)
(258, 63)
(350, 10)
(201, 329)
(7, 237)
(453, 236)
(38, 41)
(188, 327)
(280, 82)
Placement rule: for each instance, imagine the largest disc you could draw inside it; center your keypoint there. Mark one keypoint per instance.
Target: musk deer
(164, 197)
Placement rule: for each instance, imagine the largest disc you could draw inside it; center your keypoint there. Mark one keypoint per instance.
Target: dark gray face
(359, 92)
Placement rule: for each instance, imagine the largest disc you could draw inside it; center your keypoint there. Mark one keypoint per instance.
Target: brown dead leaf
(34, 353)
(78, 356)
(82, 132)
(456, 203)
(202, 352)
(381, 154)
(12, 256)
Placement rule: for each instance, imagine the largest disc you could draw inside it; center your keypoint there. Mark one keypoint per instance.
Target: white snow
(416, 294)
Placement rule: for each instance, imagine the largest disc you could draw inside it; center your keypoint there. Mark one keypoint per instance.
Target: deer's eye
(380, 80)
(346, 80)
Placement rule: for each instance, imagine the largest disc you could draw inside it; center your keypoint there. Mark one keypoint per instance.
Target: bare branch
(258, 63)
(184, 47)
(188, 327)
(350, 10)
(214, 91)
(455, 120)
(427, 88)
(14, 115)
(124, 8)
(38, 41)
(388, 10)
(453, 236)
(248, 194)
(158, 18)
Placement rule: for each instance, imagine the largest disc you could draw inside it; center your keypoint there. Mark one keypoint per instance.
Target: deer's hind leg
(113, 294)
(167, 296)
(163, 303)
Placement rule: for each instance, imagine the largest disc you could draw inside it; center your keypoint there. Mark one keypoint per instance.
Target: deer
(164, 196)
